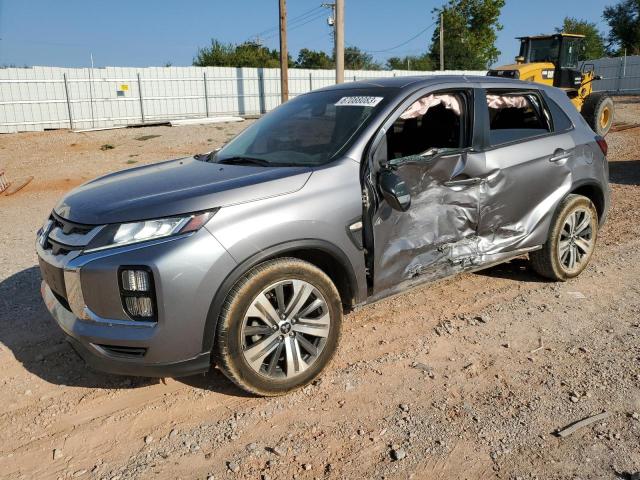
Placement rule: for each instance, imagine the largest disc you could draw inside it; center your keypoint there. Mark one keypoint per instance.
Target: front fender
(280, 250)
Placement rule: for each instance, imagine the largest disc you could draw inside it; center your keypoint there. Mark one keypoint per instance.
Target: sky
(143, 33)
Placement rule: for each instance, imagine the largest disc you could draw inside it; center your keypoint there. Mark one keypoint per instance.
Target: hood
(525, 69)
(173, 188)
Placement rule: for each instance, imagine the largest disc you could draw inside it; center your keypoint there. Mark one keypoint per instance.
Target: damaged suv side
(247, 257)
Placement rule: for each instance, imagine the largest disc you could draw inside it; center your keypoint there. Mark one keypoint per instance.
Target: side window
(561, 122)
(436, 121)
(516, 116)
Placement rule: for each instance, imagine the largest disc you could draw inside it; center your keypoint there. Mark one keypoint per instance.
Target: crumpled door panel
(450, 229)
(520, 192)
(440, 226)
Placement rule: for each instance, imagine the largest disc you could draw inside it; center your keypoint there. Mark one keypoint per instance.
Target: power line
(405, 42)
(294, 19)
(296, 26)
(291, 21)
(301, 17)
(308, 21)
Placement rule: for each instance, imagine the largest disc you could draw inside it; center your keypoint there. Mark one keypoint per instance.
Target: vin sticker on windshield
(358, 101)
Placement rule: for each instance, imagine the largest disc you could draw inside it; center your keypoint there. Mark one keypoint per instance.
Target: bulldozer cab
(562, 50)
(554, 60)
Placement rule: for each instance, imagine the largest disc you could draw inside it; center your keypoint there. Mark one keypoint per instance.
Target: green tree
(593, 41)
(624, 21)
(470, 32)
(247, 54)
(217, 54)
(313, 59)
(356, 59)
(411, 62)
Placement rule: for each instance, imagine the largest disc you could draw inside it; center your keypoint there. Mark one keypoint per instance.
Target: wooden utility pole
(339, 38)
(441, 41)
(284, 56)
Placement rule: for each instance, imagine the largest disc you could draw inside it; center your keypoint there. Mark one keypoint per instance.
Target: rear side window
(561, 122)
(516, 116)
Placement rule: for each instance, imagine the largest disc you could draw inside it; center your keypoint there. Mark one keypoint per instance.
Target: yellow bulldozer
(553, 60)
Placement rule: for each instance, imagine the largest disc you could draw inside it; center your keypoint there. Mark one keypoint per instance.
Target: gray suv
(248, 256)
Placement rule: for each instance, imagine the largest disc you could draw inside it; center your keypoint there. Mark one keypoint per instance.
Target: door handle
(463, 183)
(559, 155)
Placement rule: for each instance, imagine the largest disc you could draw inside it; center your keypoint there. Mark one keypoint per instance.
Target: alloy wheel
(285, 329)
(576, 240)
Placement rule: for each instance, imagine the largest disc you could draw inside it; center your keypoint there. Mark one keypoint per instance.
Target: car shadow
(29, 332)
(517, 269)
(625, 172)
(215, 381)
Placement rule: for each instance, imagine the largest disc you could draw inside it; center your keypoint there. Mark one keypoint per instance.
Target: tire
(598, 110)
(578, 241)
(289, 309)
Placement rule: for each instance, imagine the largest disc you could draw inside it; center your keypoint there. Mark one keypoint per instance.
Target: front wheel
(571, 240)
(279, 327)
(598, 111)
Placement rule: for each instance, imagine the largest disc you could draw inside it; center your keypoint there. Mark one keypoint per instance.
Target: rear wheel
(279, 327)
(598, 110)
(571, 241)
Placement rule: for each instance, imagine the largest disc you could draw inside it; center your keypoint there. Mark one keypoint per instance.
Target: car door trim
(463, 182)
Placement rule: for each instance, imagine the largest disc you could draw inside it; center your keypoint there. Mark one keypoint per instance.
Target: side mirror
(394, 190)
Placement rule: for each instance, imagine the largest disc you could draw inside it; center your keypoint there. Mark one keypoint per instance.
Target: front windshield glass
(544, 50)
(309, 130)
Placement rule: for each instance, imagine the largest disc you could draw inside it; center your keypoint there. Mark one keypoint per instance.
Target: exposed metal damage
(451, 229)
(475, 207)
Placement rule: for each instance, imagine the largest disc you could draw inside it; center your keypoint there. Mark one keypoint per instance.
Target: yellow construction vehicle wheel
(598, 111)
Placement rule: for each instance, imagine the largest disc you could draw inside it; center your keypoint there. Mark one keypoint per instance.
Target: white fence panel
(619, 75)
(41, 98)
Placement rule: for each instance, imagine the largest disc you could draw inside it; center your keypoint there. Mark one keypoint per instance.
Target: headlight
(140, 231)
(135, 232)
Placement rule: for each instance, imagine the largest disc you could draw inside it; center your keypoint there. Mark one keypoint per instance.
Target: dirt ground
(467, 378)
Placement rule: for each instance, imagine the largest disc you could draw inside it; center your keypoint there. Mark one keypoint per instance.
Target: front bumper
(79, 334)
(187, 273)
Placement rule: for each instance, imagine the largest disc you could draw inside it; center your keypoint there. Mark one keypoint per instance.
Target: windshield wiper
(245, 161)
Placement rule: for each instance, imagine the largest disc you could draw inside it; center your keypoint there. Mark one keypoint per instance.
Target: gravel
(398, 454)
(429, 391)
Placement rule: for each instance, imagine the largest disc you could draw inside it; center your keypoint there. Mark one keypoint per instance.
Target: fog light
(138, 293)
(135, 280)
(139, 306)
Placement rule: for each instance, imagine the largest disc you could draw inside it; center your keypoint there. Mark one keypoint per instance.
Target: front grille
(54, 277)
(65, 236)
(69, 227)
(120, 351)
(58, 248)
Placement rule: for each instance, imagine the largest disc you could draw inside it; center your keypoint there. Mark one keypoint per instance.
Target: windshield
(309, 130)
(544, 50)
(570, 52)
